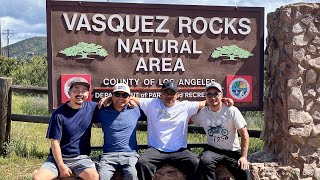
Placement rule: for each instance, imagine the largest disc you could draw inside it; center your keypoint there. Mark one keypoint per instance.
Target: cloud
(27, 18)
(21, 29)
(30, 11)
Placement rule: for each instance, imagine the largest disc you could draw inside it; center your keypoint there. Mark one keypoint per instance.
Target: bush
(254, 119)
(7, 65)
(256, 144)
(31, 72)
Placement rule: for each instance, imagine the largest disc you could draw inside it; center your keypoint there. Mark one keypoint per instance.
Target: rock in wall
(292, 95)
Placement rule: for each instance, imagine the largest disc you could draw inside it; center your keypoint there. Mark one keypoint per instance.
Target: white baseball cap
(214, 85)
(121, 87)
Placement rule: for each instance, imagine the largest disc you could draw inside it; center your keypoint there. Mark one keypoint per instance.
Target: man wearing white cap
(119, 123)
(222, 124)
(70, 131)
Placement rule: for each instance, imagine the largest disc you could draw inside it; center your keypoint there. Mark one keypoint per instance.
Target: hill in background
(27, 48)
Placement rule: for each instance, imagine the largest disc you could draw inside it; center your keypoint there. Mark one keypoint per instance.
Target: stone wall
(292, 95)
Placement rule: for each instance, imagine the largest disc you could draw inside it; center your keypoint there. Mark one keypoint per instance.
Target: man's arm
(243, 161)
(227, 101)
(107, 100)
(64, 171)
(135, 99)
(104, 101)
(202, 104)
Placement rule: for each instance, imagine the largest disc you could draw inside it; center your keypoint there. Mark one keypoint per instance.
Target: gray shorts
(77, 164)
(123, 161)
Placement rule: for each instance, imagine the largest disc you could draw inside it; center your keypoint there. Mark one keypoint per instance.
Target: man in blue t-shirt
(70, 131)
(119, 122)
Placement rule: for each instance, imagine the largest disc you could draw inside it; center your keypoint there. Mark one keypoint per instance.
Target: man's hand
(228, 101)
(64, 171)
(106, 101)
(243, 163)
(132, 104)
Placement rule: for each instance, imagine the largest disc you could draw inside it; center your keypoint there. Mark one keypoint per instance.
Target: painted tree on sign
(232, 52)
(84, 50)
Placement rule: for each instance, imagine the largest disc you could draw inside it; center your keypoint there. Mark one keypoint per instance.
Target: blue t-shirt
(119, 128)
(73, 128)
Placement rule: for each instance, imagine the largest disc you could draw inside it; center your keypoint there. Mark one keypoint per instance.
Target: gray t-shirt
(221, 126)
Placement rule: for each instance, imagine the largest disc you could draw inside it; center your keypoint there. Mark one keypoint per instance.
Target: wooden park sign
(144, 45)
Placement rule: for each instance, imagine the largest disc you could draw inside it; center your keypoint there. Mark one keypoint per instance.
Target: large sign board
(144, 45)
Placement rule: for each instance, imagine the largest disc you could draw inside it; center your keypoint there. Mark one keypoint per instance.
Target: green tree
(33, 72)
(7, 65)
(84, 50)
(232, 52)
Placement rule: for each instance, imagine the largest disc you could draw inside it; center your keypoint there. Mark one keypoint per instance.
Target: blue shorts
(77, 164)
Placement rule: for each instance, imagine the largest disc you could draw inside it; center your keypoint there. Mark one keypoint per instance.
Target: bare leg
(89, 174)
(44, 174)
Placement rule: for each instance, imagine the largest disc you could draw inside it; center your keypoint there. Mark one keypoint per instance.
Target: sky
(27, 18)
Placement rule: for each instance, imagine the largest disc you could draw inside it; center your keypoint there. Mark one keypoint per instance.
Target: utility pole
(8, 33)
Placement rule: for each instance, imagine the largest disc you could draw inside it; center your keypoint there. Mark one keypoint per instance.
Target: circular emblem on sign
(239, 88)
(68, 83)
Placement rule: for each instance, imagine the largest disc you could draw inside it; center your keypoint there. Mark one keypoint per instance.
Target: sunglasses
(210, 95)
(124, 95)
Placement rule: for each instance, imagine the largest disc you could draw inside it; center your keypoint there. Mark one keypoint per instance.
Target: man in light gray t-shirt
(222, 124)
